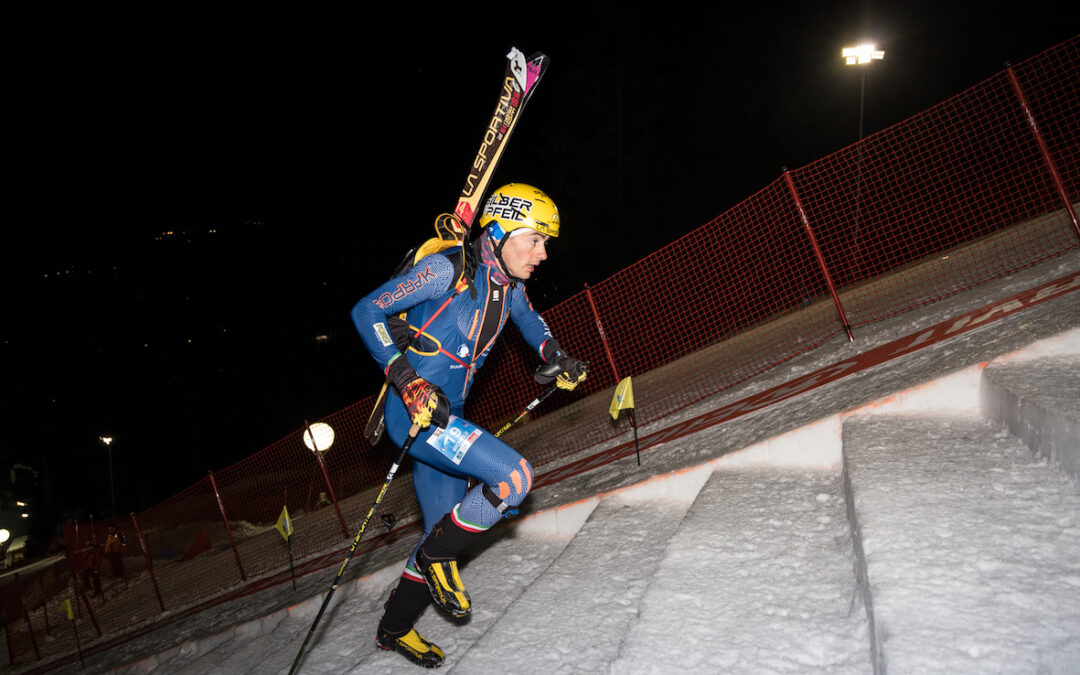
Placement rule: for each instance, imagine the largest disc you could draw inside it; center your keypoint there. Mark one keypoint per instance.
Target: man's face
(523, 252)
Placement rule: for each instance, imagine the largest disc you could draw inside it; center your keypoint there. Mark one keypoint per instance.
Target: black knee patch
(504, 509)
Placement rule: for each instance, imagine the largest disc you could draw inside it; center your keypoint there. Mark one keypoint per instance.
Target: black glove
(573, 370)
(400, 332)
(426, 403)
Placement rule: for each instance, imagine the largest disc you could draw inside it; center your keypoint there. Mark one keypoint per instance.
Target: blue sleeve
(431, 277)
(532, 326)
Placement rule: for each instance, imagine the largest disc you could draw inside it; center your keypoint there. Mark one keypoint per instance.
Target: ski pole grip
(546, 373)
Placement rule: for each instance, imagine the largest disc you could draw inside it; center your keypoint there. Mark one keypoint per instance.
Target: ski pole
(333, 587)
(529, 408)
(544, 374)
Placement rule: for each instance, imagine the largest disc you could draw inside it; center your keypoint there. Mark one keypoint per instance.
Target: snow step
(502, 568)
(1038, 401)
(957, 519)
(582, 606)
(759, 578)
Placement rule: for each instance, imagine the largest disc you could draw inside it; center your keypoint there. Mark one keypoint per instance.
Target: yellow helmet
(518, 205)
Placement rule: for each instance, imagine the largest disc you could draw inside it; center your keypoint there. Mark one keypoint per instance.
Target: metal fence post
(326, 477)
(817, 254)
(26, 614)
(80, 591)
(1044, 150)
(44, 604)
(149, 562)
(7, 641)
(228, 530)
(603, 336)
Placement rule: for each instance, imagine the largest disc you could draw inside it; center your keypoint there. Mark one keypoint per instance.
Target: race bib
(455, 439)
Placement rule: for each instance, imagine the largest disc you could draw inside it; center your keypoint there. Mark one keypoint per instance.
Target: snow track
(935, 541)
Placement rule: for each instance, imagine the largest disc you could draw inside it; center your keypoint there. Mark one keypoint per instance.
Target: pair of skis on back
(519, 81)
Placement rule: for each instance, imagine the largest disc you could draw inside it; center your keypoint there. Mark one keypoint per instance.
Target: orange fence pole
(329, 487)
(1051, 166)
(228, 530)
(817, 254)
(149, 562)
(603, 336)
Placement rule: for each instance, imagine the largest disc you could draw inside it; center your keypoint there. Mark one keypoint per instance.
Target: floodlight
(319, 436)
(862, 54)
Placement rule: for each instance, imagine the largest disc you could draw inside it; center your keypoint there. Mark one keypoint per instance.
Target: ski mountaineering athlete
(430, 358)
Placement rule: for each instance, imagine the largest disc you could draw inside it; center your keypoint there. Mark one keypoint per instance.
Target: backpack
(450, 233)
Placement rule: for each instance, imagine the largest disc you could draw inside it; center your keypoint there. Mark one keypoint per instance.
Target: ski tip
(528, 71)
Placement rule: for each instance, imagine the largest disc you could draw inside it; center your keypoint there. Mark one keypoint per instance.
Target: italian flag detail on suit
(455, 516)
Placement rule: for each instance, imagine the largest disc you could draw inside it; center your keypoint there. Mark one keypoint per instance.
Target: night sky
(197, 197)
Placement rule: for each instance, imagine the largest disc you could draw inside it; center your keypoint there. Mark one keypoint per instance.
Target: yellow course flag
(284, 524)
(624, 398)
(66, 606)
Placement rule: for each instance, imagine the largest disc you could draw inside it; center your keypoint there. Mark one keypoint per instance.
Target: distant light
(21, 504)
(323, 437)
(4, 536)
(322, 338)
(25, 515)
(107, 440)
(863, 54)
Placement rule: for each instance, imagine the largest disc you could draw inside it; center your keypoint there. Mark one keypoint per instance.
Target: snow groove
(862, 578)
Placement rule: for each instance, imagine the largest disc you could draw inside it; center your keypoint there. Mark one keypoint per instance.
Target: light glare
(864, 53)
(319, 435)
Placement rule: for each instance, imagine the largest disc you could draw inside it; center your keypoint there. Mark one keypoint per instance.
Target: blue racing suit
(448, 325)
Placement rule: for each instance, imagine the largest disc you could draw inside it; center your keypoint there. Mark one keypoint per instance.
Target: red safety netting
(970, 190)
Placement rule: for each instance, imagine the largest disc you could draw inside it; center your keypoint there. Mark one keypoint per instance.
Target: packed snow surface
(970, 543)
